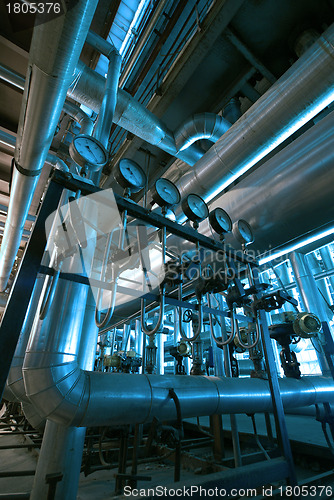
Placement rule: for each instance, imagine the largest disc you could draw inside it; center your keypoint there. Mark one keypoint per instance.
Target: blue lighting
(310, 113)
(296, 246)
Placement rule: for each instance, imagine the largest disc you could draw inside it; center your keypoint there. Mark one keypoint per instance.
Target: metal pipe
(140, 44)
(15, 378)
(69, 395)
(85, 122)
(108, 105)
(288, 196)
(200, 126)
(304, 90)
(88, 88)
(54, 52)
(311, 299)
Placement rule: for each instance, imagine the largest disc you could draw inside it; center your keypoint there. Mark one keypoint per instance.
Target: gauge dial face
(130, 175)
(243, 232)
(88, 151)
(220, 221)
(165, 193)
(195, 208)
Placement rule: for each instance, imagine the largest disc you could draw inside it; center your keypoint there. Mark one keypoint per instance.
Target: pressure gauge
(87, 151)
(220, 221)
(242, 231)
(195, 208)
(165, 193)
(130, 175)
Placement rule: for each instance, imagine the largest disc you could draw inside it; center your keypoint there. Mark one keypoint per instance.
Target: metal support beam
(19, 298)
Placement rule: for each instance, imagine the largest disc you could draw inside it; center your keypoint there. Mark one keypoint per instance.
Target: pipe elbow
(56, 386)
(200, 126)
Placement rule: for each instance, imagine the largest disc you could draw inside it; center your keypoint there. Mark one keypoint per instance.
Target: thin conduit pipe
(218, 342)
(159, 324)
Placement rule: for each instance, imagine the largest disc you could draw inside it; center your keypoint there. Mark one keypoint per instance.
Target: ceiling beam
(194, 52)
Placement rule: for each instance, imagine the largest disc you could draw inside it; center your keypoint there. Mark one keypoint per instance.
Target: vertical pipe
(321, 284)
(311, 299)
(139, 341)
(233, 418)
(160, 354)
(71, 320)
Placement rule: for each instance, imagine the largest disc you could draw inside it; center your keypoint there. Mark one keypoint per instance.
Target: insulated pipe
(304, 90)
(288, 196)
(108, 105)
(85, 122)
(15, 378)
(200, 126)
(88, 88)
(55, 50)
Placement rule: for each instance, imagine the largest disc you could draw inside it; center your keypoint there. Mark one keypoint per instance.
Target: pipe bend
(200, 126)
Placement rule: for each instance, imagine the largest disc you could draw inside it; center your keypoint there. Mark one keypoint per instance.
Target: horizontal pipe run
(301, 93)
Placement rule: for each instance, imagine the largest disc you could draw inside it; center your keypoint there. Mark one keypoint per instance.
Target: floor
(302, 430)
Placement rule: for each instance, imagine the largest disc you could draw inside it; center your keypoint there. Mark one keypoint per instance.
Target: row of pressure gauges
(131, 176)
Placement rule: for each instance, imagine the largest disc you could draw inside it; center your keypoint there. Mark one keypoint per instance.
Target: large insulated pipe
(288, 196)
(304, 90)
(62, 391)
(55, 50)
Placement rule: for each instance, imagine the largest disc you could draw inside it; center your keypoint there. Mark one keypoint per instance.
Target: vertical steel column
(281, 430)
(22, 288)
(311, 299)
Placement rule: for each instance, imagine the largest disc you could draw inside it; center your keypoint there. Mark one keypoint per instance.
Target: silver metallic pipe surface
(85, 122)
(88, 88)
(288, 196)
(200, 126)
(305, 89)
(15, 378)
(54, 52)
(71, 109)
(108, 105)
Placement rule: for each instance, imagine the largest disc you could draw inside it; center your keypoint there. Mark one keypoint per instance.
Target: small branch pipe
(85, 122)
(108, 105)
